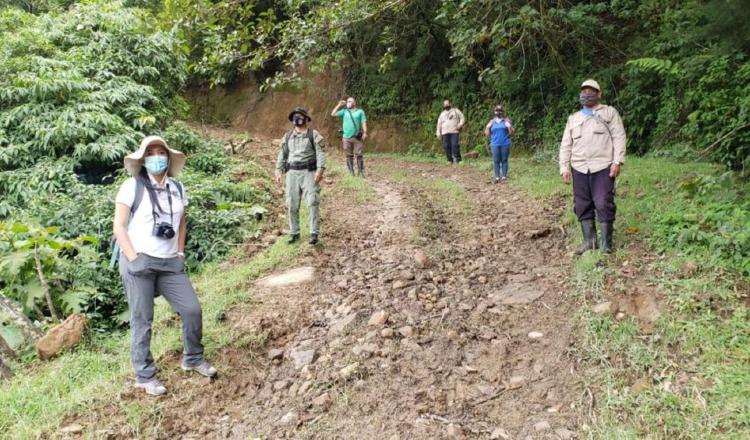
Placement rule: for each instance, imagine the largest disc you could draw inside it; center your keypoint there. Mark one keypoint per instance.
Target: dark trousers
(451, 146)
(594, 192)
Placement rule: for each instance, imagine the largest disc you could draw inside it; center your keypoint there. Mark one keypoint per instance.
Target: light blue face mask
(156, 164)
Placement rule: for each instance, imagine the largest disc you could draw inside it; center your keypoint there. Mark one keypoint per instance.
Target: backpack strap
(311, 137)
(179, 188)
(139, 190)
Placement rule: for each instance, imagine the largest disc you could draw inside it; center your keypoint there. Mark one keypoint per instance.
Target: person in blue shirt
(499, 130)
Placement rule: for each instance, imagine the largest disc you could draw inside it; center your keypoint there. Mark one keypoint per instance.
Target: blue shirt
(499, 133)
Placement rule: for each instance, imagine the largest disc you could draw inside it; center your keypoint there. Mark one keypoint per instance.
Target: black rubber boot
(589, 236)
(605, 241)
(293, 238)
(361, 166)
(313, 239)
(350, 164)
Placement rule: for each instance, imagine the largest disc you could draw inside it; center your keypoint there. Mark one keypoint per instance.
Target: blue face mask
(156, 164)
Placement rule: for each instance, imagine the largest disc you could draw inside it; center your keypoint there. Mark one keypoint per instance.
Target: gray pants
(142, 278)
(301, 183)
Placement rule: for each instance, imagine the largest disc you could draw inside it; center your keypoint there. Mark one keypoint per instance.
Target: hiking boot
(361, 166)
(152, 387)
(350, 164)
(589, 236)
(293, 238)
(313, 239)
(204, 369)
(605, 241)
(504, 179)
(497, 180)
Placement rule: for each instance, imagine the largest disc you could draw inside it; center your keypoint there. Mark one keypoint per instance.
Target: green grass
(693, 369)
(359, 188)
(38, 398)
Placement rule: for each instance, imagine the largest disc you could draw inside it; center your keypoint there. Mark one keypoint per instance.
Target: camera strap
(169, 199)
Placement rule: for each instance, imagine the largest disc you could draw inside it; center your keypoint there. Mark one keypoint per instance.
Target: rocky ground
(436, 309)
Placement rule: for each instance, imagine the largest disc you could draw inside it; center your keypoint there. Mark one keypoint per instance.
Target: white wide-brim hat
(134, 161)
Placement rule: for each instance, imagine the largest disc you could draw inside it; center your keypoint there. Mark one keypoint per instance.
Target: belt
(309, 165)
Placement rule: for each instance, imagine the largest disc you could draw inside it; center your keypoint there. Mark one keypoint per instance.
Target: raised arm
(337, 108)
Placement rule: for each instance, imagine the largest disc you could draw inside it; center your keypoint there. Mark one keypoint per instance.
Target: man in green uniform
(302, 157)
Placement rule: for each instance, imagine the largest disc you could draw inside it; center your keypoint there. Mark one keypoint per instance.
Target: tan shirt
(450, 121)
(592, 143)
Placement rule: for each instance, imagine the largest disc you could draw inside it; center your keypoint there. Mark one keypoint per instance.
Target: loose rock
(342, 324)
(322, 401)
(601, 308)
(275, 354)
(290, 419)
(541, 426)
(565, 434)
(61, 337)
(349, 370)
(499, 433)
(454, 431)
(302, 358)
(406, 331)
(378, 319)
(535, 335)
(420, 258)
(72, 429)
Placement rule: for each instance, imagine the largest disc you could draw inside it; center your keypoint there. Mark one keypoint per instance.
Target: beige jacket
(592, 143)
(450, 121)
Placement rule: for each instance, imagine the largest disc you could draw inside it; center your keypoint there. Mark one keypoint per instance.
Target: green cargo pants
(301, 183)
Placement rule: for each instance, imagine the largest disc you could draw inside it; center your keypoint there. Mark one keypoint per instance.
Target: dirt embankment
(242, 107)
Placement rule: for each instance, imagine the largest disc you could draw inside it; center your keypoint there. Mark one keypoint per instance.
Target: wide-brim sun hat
(591, 83)
(302, 111)
(134, 161)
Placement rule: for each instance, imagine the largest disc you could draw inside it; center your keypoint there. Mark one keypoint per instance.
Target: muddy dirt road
(433, 309)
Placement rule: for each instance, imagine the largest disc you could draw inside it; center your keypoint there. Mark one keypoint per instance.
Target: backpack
(140, 189)
(310, 137)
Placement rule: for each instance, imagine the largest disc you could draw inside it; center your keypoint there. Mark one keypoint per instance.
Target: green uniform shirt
(352, 124)
(296, 147)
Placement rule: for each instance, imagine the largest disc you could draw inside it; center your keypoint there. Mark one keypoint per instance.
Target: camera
(163, 230)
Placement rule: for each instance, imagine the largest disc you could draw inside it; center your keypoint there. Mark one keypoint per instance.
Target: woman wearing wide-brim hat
(150, 229)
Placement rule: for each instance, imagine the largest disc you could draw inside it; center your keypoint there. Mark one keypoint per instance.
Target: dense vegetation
(79, 88)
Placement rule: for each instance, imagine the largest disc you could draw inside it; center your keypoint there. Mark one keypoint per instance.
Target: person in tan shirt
(591, 154)
(449, 125)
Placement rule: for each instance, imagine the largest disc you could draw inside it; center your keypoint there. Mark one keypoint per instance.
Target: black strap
(353, 121)
(285, 144)
(140, 190)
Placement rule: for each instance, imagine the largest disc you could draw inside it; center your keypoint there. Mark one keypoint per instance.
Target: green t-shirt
(354, 123)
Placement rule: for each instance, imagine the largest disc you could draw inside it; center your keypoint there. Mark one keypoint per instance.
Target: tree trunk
(6, 353)
(45, 287)
(14, 312)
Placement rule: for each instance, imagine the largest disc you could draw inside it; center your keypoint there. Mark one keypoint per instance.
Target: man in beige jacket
(591, 154)
(449, 125)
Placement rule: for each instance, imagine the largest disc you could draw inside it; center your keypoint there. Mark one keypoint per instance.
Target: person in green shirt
(354, 132)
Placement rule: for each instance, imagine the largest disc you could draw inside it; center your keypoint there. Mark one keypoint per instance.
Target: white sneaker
(152, 387)
(204, 369)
